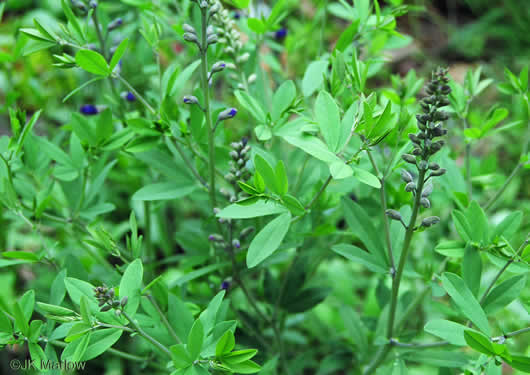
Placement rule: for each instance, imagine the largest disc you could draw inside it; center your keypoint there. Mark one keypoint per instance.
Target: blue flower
(280, 34)
(89, 110)
(237, 15)
(129, 96)
(225, 285)
(227, 114)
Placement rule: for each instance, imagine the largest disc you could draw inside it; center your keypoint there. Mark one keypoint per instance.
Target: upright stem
(99, 33)
(207, 111)
(396, 281)
(382, 195)
(146, 336)
(469, 184)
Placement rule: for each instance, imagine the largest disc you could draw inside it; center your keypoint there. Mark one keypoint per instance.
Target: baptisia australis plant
(304, 221)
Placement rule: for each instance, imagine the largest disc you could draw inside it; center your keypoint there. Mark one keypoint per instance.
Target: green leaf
(384, 123)
(55, 310)
(181, 357)
(497, 116)
(355, 328)
(92, 62)
(472, 268)
(267, 241)
(251, 105)
(26, 255)
(475, 215)
(195, 340)
(178, 81)
(281, 178)
(131, 286)
(78, 288)
(366, 177)
(81, 347)
(209, 316)
(258, 209)
(447, 330)
(504, 294)
(5, 324)
(282, 99)
(438, 358)
(163, 191)
(479, 342)
(358, 255)
(179, 316)
(100, 341)
(27, 304)
(118, 54)
(306, 299)
(328, 118)
(37, 354)
(20, 319)
(72, 19)
(256, 25)
(265, 170)
(508, 226)
(293, 205)
(85, 310)
(225, 344)
(347, 36)
(34, 331)
(84, 129)
(465, 301)
(26, 131)
(520, 363)
(247, 367)
(362, 225)
(314, 77)
(462, 226)
(239, 356)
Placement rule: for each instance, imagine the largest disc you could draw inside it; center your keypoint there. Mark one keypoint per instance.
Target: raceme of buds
(227, 114)
(106, 299)
(240, 154)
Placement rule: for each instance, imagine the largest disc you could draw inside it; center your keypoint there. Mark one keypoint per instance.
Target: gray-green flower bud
(425, 202)
(406, 176)
(430, 221)
(427, 190)
(411, 186)
(439, 172)
(189, 29)
(393, 214)
(409, 158)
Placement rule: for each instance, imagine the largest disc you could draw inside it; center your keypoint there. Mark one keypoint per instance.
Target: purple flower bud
(130, 97)
(280, 34)
(89, 110)
(115, 24)
(236, 243)
(218, 66)
(190, 99)
(93, 4)
(227, 114)
(237, 15)
(225, 285)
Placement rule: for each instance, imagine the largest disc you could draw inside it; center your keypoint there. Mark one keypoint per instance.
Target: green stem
(511, 334)
(147, 234)
(469, 184)
(146, 336)
(382, 196)
(187, 161)
(164, 319)
(207, 110)
(396, 281)
(99, 33)
(136, 93)
(497, 195)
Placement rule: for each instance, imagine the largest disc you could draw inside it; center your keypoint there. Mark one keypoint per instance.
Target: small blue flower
(89, 110)
(115, 24)
(225, 285)
(190, 99)
(227, 114)
(129, 96)
(237, 15)
(280, 34)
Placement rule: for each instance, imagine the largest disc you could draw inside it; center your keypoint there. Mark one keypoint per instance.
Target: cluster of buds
(220, 241)
(240, 155)
(426, 144)
(230, 36)
(106, 300)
